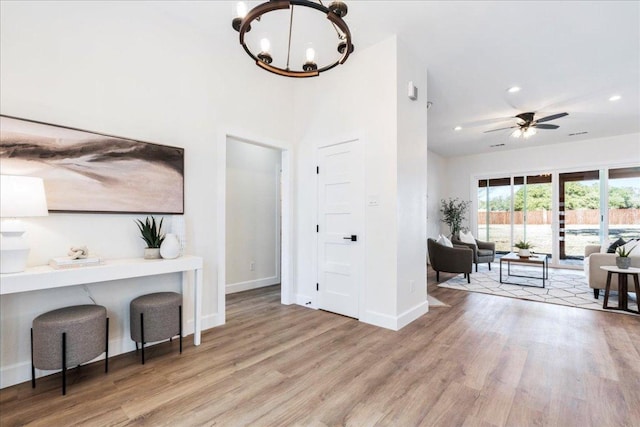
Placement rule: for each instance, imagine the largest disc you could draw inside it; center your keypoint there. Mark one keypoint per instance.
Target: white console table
(46, 277)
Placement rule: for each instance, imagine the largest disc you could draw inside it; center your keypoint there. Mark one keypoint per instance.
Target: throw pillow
(467, 237)
(614, 245)
(444, 241)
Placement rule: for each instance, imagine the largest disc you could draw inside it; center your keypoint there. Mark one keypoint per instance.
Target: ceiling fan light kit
(528, 124)
(334, 12)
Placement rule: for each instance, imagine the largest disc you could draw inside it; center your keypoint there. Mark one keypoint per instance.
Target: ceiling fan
(528, 125)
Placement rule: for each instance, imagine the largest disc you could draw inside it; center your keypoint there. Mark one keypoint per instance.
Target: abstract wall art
(91, 172)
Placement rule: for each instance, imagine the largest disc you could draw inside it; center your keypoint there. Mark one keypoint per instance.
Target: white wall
(252, 216)
(437, 187)
(623, 150)
(129, 69)
(361, 102)
(411, 187)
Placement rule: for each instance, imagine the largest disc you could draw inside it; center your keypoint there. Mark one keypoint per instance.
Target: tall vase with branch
(454, 213)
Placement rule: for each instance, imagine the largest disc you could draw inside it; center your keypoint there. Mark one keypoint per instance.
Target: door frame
(314, 269)
(286, 208)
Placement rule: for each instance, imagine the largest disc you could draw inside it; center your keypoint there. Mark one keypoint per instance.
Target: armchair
(457, 259)
(482, 251)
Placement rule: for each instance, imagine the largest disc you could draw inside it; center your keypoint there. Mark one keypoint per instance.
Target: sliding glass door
(592, 207)
(578, 214)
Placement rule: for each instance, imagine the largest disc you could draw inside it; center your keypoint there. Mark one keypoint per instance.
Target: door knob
(353, 238)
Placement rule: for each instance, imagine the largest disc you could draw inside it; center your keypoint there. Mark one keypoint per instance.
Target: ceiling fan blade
(545, 126)
(495, 130)
(552, 117)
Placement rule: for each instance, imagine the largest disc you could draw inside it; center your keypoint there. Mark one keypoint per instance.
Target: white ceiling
(566, 56)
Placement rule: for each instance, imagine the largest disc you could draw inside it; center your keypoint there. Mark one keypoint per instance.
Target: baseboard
(304, 300)
(251, 284)
(412, 314)
(379, 319)
(395, 323)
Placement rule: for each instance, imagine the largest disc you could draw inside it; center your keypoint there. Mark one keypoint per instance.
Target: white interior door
(340, 227)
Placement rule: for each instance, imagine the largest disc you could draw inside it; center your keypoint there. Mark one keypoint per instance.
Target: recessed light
(513, 89)
(615, 98)
(457, 128)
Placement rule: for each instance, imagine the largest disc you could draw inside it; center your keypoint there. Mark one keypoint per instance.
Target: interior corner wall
(437, 188)
(355, 101)
(252, 216)
(136, 70)
(411, 187)
(622, 150)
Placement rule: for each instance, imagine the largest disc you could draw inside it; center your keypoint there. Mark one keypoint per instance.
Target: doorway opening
(254, 218)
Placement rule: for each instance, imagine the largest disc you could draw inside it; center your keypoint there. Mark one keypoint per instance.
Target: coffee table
(514, 258)
(622, 287)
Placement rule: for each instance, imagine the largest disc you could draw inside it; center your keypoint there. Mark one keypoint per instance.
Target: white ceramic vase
(170, 247)
(524, 252)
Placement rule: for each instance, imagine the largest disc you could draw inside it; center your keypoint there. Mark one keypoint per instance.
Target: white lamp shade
(22, 196)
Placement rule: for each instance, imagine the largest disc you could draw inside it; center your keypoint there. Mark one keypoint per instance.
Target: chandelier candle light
(334, 12)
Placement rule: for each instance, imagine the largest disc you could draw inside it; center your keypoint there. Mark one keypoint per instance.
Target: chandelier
(286, 65)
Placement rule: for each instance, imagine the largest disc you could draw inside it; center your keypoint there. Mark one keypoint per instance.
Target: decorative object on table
(78, 252)
(75, 163)
(524, 249)
(69, 262)
(453, 213)
(20, 197)
(622, 260)
(258, 46)
(170, 247)
(151, 233)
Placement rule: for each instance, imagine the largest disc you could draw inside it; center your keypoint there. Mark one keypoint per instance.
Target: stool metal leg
(33, 368)
(180, 320)
(106, 348)
(64, 363)
(142, 335)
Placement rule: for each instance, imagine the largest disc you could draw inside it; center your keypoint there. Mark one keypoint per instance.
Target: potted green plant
(453, 213)
(524, 248)
(622, 260)
(151, 233)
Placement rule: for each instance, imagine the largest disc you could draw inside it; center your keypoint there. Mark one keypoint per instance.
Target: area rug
(435, 302)
(564, 287)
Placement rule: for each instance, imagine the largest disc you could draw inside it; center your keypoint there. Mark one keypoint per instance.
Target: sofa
(596, 277)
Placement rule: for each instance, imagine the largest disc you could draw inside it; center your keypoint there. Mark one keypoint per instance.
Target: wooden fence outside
(576, 216)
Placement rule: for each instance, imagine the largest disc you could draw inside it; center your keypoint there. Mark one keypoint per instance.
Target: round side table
(622, 287)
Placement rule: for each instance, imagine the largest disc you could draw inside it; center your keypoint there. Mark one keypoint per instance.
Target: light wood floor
(484, 361)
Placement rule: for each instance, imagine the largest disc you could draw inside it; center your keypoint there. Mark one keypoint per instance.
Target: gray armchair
(482, 251)
(458, 259)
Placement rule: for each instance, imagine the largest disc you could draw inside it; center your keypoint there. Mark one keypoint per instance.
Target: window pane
(579, 213)
(499, 196)
(624, 203)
